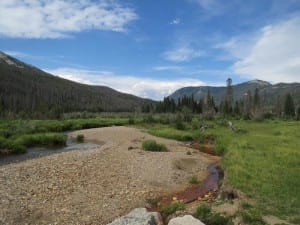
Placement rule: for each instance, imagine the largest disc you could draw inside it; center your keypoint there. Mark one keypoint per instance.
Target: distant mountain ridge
(26, 88)
(269, 92)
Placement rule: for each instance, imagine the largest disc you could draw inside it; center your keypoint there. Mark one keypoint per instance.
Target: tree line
(249, 106)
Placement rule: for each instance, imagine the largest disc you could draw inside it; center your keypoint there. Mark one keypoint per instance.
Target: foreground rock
(139, 216)
(185, 220)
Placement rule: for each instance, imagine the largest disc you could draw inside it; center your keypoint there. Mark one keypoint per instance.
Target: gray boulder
(139, 216)
(185, 220)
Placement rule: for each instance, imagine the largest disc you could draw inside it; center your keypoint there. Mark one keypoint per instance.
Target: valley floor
(95, 186)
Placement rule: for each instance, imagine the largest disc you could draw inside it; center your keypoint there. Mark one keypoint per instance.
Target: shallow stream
(37, 152)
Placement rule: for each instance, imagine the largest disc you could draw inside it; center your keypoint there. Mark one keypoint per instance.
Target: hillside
(270, 93)
(24, 88)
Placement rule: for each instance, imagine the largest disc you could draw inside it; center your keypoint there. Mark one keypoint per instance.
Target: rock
(139, 216)
(185, 220)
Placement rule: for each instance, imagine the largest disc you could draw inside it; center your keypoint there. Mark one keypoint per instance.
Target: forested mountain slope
(269, 93)
(24, 88)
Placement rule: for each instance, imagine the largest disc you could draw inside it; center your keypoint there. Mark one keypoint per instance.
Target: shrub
(205, 214)
(218, 219)
(180, 125)
(131, 120)
(2, 142)
(17, 148)
(175, 206)
(80, 138)
(194, 180)
(195, 124)
(252, 217)
(151, 145)
(149, 119)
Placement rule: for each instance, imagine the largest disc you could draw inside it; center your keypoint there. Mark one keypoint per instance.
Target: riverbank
(96, 186)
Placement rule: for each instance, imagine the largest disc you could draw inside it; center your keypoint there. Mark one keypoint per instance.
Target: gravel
(98, 185)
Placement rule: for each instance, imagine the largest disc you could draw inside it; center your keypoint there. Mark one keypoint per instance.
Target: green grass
(205, 214)
(151, 145)
(194, 180)
(17, 135)
(252, 217)
(266, 166)
(175, 206)
(263, 161)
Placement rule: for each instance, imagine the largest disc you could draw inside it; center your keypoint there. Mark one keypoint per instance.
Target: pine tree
(289, 106)
(298, 113)
(229, 92)
(256, 101)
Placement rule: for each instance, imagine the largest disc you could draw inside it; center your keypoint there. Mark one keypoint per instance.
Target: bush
(175, 206)
(80, 138)
(194, 180)
(151, 145)
(17, 148)
(217, 219)
(180, 125)
(252, 217)
(149, 119)
(131, 121)
(205, 214)
(2, 142)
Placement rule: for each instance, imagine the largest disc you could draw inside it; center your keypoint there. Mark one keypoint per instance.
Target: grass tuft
(175, 206)
(151, 145)
(194, 180)
(205, 214)
(80, 138)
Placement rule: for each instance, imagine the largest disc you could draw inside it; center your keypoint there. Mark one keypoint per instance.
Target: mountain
(270, 93)
(25, 88)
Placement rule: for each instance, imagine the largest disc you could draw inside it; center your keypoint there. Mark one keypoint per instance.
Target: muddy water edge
(205, 191)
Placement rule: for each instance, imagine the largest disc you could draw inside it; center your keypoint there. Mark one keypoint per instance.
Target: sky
(152, 48)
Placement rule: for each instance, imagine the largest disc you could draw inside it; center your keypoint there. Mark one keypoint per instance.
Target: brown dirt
(95, 186)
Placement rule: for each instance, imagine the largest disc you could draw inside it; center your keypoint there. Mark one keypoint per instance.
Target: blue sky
(151, 48)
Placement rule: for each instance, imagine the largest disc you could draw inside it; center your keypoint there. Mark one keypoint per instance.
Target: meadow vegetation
(17, 135)
(153, 146)
(261, 158)
(205, 214)
(80, 138)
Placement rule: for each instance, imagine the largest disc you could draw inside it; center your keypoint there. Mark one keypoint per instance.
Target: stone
(185, 220)
(139, 216)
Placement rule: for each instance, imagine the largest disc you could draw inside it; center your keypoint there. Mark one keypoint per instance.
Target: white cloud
(59, 18)
(273, 55)
(211, 7)
(167, 68)
(207, 4)
(182, 54)
(144, 87)
(175, 21)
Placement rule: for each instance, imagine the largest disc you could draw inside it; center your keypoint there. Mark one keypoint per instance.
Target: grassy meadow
(262, 159)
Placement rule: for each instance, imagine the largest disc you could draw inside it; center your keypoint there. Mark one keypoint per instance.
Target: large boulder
(139, 216)
(185, 220)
